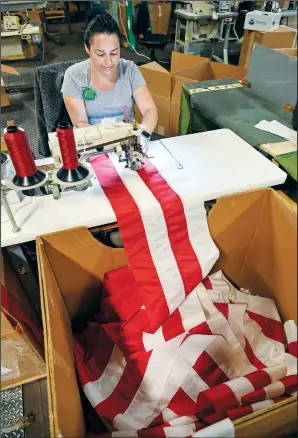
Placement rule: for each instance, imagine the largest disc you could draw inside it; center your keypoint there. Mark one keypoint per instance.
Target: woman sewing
(105, 85)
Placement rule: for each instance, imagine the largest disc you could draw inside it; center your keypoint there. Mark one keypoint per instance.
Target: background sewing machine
(204, 22)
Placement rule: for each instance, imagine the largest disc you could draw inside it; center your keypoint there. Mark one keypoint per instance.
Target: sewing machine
(110, 136)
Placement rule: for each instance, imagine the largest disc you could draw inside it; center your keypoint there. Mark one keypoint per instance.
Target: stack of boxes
(165, 86)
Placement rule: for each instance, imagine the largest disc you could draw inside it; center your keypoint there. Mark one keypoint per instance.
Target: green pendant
(89, 94)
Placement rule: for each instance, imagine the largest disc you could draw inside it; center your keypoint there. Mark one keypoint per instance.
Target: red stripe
(155, 432)
(134, 239)
(216, 400)
(201, 329)
(290, 383)
(92, 350)
(209, 371)
(173, 326)
(182, 404)
(207, 283)
(122, 291)
(223, 308)
(157, 421)
(233, 414)
(252, 357)
(259, 379)
(129, 383)
(292, 348)
(173, 210)
(271, 328)
(254, 397)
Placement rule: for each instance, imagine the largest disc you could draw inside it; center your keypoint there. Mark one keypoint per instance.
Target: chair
(142, 31)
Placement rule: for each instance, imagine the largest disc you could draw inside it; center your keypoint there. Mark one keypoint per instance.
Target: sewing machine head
(109, 136)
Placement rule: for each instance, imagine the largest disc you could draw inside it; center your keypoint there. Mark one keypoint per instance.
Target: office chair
(142, 31)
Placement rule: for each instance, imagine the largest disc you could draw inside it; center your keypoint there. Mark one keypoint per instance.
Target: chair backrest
(140, 19)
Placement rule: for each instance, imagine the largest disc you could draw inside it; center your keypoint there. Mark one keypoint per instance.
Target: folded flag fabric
(173, 351)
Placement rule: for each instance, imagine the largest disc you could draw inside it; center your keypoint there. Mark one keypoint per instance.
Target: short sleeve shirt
(118, 102)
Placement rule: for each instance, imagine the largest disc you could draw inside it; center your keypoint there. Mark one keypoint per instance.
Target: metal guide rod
(180, 166)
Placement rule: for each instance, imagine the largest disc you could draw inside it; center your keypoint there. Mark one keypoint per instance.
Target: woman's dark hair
(102, 22)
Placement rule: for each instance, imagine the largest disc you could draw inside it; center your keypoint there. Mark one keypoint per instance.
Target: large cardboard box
(256, 234)
(203, 70)
(283, 37)
(22, 357)
(165, 86)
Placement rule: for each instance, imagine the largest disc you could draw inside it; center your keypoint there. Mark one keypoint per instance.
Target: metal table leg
(188, 35)
(226, 43)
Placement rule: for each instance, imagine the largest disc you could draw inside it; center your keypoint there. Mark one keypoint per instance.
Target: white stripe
(291, 331)
(102, 388)
(187, 355)
(260, 305)
(219, 283)
(191, 311)
(236, 316)
(157, 235)
(219, 325)
(193, 385)
(276, 372)
(224, 428)
(152, 340)
(179, 431)
(262, 405)
(182, 420)
(275, 389)
(216, 296)
(151, 388)
(240, 387)
(125, 434)
(227, 359)
(196, 219)
(265, 349)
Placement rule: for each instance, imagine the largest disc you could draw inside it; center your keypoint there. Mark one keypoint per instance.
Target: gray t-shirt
(118, 102)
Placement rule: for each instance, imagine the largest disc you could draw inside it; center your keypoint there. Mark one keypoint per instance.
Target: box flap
(154, 66)
(79, 272)
(182, 61)
(256, 234)
(157, 78)
(192, 74)
(222, 71)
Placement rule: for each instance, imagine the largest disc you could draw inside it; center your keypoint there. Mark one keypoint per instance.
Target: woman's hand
(146, 105)
(77, 111)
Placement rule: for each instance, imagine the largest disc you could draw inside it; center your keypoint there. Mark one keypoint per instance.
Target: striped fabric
(173, 352)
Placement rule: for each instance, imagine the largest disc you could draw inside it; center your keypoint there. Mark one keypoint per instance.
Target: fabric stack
(172, 351)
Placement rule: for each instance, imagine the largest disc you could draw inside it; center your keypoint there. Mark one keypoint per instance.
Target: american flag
(173, 351)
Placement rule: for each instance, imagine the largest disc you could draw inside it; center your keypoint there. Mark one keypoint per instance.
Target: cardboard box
(165, 85)
(262, 21)
(283, 37)
(21, 354)
(160, 13)
(4, 95)
(158, 79)
(256, 234)
(289, 52)
(163, 105)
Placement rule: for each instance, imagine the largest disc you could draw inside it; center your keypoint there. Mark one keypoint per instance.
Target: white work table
(215, 164)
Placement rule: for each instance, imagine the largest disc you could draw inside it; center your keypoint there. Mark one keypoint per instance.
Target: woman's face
(104, 53)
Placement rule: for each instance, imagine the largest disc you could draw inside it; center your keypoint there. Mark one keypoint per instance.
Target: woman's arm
(147, 107)
(77, 111)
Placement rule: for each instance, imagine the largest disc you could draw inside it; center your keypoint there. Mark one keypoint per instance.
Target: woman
(106, 86)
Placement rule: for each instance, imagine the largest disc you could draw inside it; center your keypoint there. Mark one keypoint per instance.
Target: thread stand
(4, 191)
